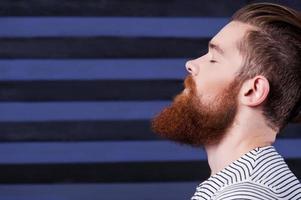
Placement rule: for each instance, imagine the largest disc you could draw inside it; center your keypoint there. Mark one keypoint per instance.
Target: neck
(236, 143)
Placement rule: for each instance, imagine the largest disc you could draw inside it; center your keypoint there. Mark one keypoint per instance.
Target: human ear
(255, 91)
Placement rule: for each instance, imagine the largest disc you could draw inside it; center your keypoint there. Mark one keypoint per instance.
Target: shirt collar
(239, 170)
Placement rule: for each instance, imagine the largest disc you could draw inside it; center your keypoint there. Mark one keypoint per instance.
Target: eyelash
(211, 60)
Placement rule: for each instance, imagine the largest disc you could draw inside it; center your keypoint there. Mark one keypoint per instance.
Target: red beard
(189, 121)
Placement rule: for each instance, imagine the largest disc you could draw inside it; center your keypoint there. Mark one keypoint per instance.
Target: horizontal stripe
(99, 90)
(118, 8)
(80, 111)
(291, 130)
(288, 148)
(104, 130)
(116, 130)
(102, 47)
(105, 69)
(126, 151)
(104, 172)
(110, 26)
(94, 152)
(133, 191)
(112, 172)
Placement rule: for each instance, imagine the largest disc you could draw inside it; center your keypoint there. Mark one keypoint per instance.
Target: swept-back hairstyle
(273, 49)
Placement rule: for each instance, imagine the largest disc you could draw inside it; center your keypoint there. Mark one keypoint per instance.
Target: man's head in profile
(246, 89)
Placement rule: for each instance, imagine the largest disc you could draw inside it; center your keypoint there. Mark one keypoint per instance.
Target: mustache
(189, 83)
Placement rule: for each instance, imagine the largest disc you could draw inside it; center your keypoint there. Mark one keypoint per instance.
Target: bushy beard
(189, 121)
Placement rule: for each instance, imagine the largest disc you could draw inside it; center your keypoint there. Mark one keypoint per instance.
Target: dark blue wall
(79, 83)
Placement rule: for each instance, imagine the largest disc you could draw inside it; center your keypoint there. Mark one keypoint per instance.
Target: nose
(190, 67)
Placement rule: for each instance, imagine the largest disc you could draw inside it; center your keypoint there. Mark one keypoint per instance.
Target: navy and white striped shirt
(259, 174)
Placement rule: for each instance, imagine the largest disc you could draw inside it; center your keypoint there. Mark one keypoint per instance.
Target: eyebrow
(216, 47)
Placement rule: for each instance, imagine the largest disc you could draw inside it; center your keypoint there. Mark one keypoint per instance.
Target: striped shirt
(259, 174)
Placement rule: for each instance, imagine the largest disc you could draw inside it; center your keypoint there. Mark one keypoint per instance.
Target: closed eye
(213, 61)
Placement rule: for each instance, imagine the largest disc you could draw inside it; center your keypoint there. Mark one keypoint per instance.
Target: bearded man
(237, 98)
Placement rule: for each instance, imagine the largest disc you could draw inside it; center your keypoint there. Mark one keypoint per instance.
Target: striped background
(80, 81)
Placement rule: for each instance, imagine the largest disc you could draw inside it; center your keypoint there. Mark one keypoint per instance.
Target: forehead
(229, 36)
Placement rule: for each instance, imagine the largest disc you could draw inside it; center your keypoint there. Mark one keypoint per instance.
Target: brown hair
(273, 49)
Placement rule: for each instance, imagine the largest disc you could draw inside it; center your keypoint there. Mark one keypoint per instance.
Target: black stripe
(113, 172)
(76, 131)
(89, 90)
(118, 8)
(102, 47)
(105, 172)
(292, 130)
(81, 131)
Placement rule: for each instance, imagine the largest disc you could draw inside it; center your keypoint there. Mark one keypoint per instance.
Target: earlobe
(255, 91)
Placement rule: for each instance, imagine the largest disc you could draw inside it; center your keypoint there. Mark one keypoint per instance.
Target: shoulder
(245, 190)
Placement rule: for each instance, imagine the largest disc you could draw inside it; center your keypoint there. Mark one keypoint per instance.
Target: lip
(186, 90)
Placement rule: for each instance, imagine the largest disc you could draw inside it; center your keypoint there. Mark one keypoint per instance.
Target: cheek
(211, 85)
(212, 79)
